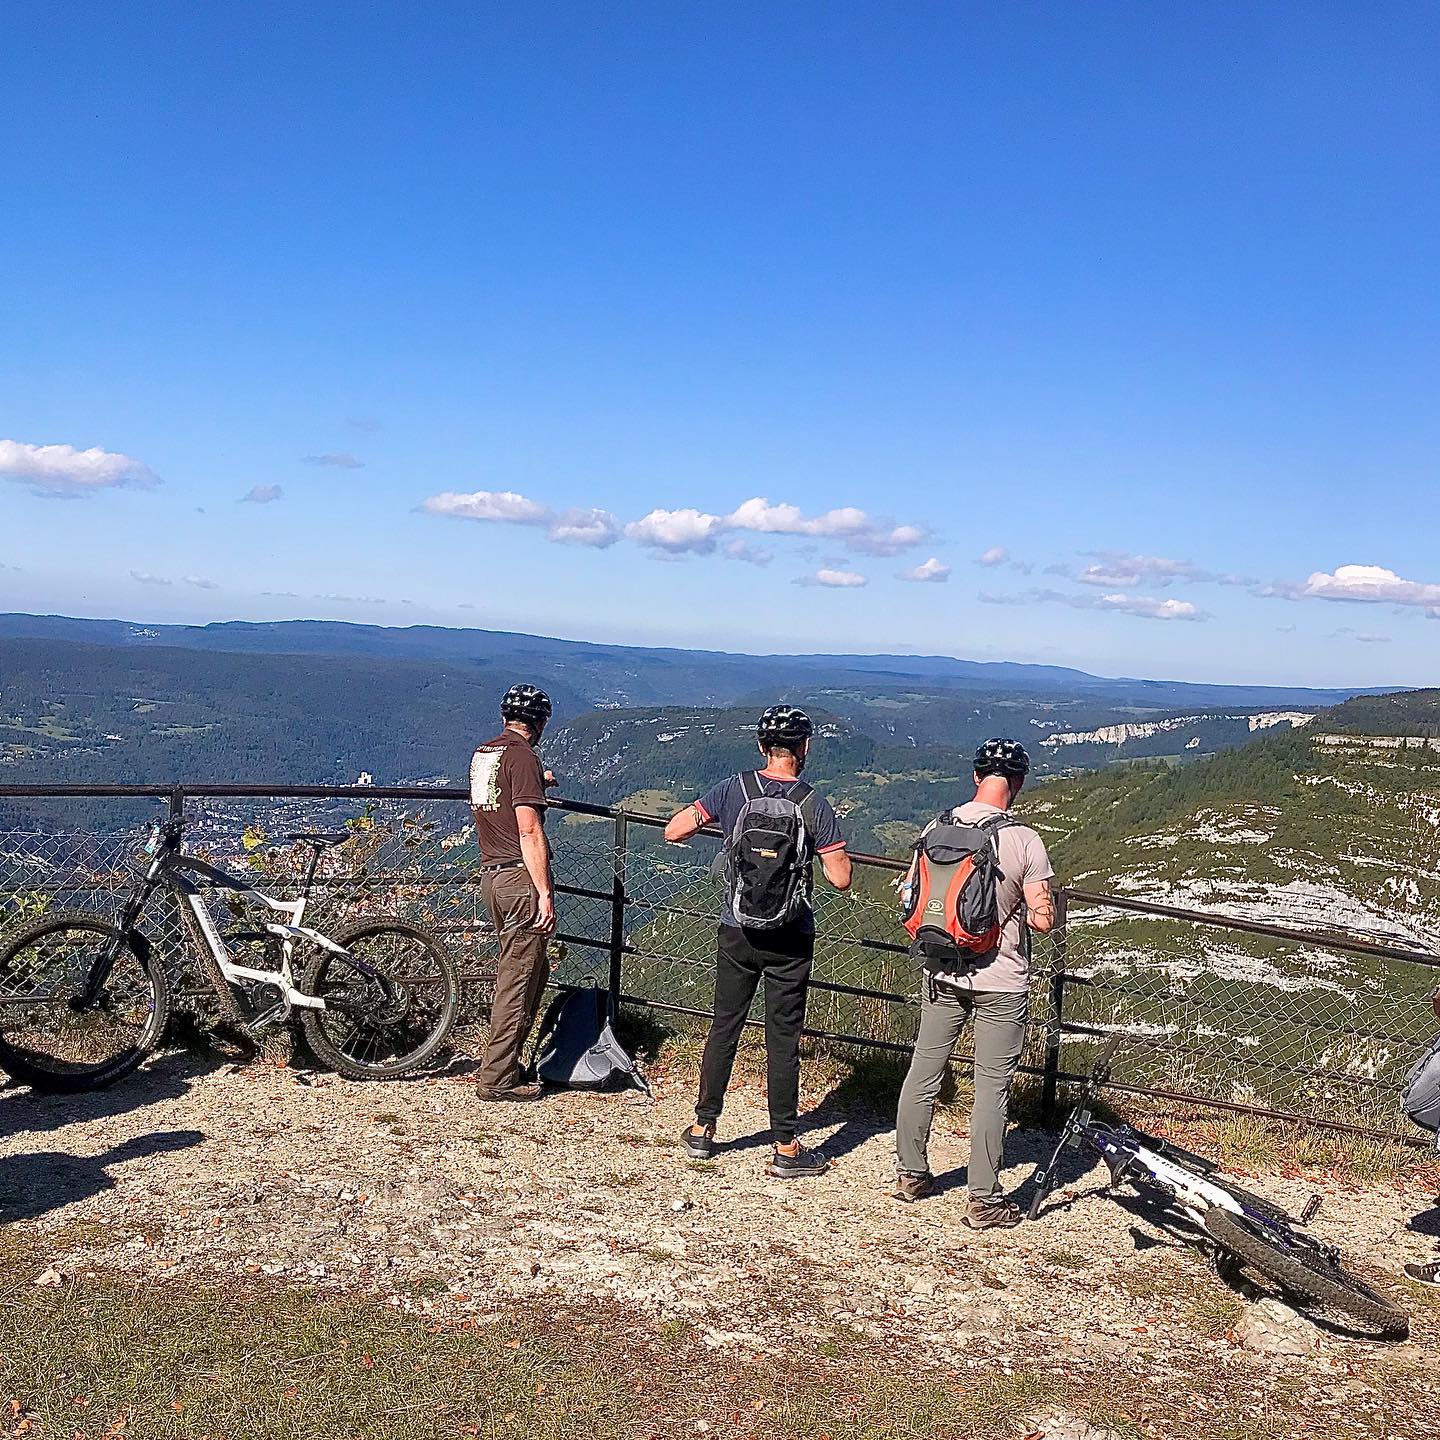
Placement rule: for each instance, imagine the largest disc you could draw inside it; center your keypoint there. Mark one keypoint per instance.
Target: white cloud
(1119, 569)
(1346, 633)
(676, 530)
(1147, 607)
(505, 507)
(854, 528)
(748, 554)
(584, 527)
(931, 570)
(888, 542)
(200, 583)
(685, 530)
(335, 460)
(352, 599)
(142, 577)
(1366, 584)
(834, 579)
(62, 470)
(262, 494)
(995, 555)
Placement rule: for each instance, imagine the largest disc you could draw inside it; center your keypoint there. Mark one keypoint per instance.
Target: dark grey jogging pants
(999, 1019)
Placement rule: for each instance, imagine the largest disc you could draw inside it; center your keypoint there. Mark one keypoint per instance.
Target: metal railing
(1227, 1013)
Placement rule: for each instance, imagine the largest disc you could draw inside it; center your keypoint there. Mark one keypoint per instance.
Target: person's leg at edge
(737, 973)
(1000, 1018)
(787, 985)
(511, 900)
(942, 1018)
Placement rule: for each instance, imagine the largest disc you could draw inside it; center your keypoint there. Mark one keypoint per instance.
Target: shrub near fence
(1224, 1012)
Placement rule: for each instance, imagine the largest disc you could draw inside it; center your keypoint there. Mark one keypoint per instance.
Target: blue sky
(521, 312)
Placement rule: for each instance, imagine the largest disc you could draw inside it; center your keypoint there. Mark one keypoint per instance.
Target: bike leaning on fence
(1247, 1231)
(84, 999)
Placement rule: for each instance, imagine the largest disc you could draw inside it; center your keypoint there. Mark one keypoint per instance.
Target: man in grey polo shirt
(995, 998)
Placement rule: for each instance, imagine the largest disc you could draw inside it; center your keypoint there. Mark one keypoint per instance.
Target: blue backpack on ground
(576, 1048)
(1420, 1099)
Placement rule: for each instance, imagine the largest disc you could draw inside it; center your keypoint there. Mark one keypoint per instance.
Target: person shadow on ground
(37, 1112)
(35, 1184)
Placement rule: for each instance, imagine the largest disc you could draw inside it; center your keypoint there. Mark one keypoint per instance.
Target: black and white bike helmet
(528, 703)
(784, 725)
(1002, 757)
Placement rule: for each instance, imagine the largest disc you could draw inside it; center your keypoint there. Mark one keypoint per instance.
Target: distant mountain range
(324, 702)
(635, 675)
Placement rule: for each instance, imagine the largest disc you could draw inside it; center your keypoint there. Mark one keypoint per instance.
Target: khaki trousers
(520, 975)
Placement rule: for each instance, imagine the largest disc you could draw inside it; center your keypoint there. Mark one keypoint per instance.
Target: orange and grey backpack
(953, 917)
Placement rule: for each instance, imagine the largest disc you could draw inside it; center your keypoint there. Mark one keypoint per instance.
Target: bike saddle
(321, 840)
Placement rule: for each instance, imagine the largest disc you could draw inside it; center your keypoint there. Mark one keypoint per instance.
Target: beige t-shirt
(1023, 861)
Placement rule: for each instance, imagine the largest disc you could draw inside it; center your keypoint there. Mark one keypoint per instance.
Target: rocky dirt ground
(421, 1196)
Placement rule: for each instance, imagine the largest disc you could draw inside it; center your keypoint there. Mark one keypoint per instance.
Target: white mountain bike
(83, 1000)
(1247, 1231)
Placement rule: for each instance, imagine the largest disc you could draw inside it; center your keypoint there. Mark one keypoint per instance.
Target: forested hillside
(1326, 827)
(75, 712)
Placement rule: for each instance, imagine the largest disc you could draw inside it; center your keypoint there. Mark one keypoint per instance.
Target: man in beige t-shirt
(995, 996)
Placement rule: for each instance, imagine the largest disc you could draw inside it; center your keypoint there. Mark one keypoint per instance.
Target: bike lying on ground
(83, 1000)
(1247, 1231)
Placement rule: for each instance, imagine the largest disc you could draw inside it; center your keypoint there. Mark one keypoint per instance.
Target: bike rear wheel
(363, 1034)
(1306, 1273)
(44, 1040)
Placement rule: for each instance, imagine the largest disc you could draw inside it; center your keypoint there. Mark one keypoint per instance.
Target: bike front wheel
(364, 1032)
(1305, 1272)
(52, 1044)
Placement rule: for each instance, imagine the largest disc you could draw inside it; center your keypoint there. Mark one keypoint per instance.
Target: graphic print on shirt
(485, 778)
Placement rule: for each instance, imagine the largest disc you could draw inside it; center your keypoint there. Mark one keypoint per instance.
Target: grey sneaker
(1427, 1274)
(697, 1147)
(794, 1167)
(992, 1214)
(911, 1187)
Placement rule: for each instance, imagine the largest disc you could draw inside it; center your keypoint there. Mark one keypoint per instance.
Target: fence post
(1058, 948)
(617, 906)
(177, 801)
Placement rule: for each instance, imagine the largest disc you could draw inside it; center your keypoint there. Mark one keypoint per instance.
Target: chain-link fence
(1220, 1012)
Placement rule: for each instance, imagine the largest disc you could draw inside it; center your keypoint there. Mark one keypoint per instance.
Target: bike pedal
(265, 1019)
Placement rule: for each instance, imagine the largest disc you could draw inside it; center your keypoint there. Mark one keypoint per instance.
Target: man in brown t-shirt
(507, 799)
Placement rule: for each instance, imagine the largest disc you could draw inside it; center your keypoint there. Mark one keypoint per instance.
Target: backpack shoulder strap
(547, 1024)
(750, 784)
(801, 794)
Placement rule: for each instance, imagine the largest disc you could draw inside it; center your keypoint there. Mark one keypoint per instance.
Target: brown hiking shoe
(513, 1092)
(991, 1214)
(910, 1187)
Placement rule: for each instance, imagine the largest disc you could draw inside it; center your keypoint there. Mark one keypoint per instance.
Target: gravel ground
(418, 1193)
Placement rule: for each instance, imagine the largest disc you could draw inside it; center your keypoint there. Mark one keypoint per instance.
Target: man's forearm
(535, 851)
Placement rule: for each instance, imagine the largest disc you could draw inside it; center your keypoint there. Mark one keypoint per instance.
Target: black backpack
(765, 864)
(576, 1048)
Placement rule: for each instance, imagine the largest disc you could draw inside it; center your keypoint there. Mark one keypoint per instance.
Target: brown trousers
(520, 975)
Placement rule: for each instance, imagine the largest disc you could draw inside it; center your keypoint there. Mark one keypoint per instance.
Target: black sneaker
(794, 1167)
(1427, 1274)
(697, 1147)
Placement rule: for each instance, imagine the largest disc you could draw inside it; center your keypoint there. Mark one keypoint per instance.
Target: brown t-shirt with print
(504, 772)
